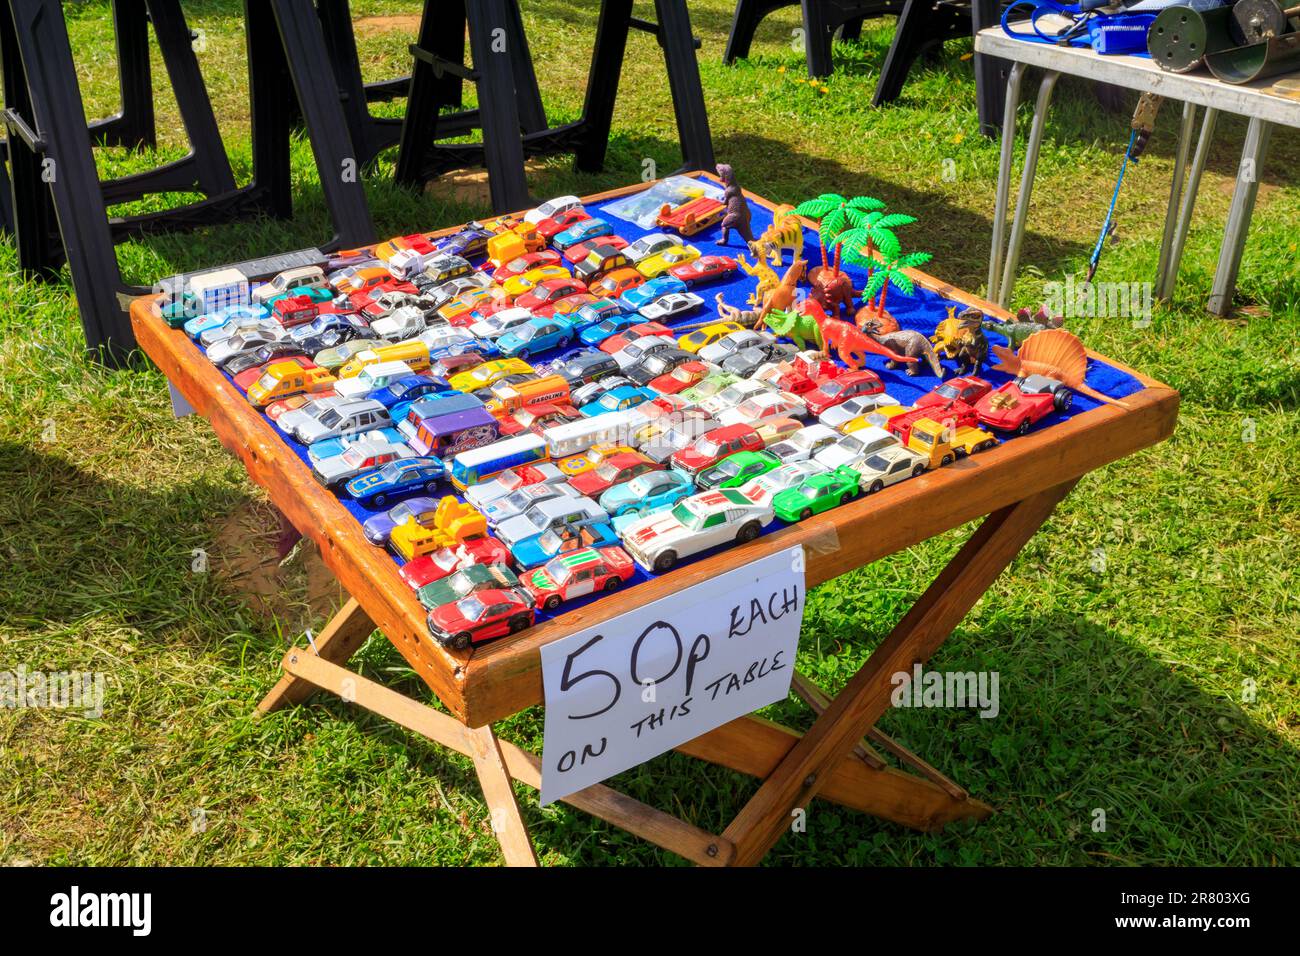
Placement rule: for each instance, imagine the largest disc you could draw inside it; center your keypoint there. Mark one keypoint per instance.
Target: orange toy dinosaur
(782, 296)
(850, 342)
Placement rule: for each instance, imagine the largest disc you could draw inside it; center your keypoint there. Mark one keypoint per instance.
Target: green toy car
(817, 494)
(711, 384)
(735, 470)
(466, 581)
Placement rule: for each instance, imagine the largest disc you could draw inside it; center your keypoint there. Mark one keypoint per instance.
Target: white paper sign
(634, 687)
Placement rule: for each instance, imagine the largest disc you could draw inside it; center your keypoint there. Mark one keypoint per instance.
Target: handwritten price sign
(634, 687)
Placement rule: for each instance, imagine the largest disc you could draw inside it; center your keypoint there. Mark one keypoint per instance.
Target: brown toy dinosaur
(782, 296)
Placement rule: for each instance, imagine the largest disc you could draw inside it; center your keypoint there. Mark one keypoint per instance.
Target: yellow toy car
(518, 285)
(707, 335)
(482, 376)
(589, 459)
(654, 266)
(282, 379)
(464, 303)
(514, 242)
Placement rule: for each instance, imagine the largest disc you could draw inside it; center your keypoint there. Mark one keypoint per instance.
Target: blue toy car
(538, 334)
(374, 489)
(653, 491)
(581, 232)
(470, 241)
(380, 526)
(316, 293)
(536, 550)
(211, 320)
(593, 335)
(638, 298)
(618, 399)
(331, 447)
(407, 389)
(593, 313)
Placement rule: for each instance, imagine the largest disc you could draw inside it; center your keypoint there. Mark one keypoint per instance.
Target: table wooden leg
(807, 768)
(507, 823)
(342, 637)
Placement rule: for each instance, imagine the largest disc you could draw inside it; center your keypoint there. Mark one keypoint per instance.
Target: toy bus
(572, 438)
(479, 464)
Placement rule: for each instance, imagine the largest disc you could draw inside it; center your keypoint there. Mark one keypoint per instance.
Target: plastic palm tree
(890, 272)
(838, 218)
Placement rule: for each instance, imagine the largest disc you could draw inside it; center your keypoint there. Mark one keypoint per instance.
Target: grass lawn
(1145, 640)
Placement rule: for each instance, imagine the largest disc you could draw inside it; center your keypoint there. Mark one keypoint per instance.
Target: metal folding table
(1255, 101)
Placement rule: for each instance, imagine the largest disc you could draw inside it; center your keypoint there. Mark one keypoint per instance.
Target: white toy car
(837, 416)
(889, 466)
(766, 407)
(731, 343)
(511, 480)
(499, 323)
(310, 276)
(552, 207)
(694, 524)
(650, 245)
(348, 418)
(671, 305)
(765, 487)
(733, 395)
(361, 455)
(804, 443)
(634, 351)
(400, 324)
(852, 450)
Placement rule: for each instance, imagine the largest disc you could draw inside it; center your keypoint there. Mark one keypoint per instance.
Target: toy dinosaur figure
(799, 327)
(729, 313)
(782, 296)
(786, 232)
(907, 342)
(767, 279)
(961, 338)
(1026, 324)
(737, 215)
(848, 341)
(1055, 353)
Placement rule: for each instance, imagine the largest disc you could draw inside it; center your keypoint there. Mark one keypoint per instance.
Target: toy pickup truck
(454, 523)
(691, 217)
(943, 444)
(954, 414)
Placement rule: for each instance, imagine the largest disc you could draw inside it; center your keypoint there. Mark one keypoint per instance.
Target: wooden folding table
(1013, 487)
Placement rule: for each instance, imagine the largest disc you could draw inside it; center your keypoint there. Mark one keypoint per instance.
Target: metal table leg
(1004, 178)
(1175, 193)
(1026, 186)
(1169, 278)
(1253, 152)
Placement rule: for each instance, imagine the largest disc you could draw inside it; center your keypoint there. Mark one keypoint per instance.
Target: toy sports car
(471, 580)
(374, 489)
(816, 494)
(694, 524)
(573, 575)
(480, 617)
(1023, 402)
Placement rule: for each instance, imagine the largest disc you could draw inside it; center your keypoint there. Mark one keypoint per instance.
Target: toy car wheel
(552, 602)
(1062, 400)
(918, 471)
(805, 514)
(614, 583)
(522, 355)
(665, 561)
(947, 460)
(378, 501)
(748, 532)
(518, 623)
(1023, 428)
(432, 487)
(985, 445)
(876, 485)
(460, 641)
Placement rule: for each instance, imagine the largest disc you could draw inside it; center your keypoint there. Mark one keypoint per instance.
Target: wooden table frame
(1014, 487)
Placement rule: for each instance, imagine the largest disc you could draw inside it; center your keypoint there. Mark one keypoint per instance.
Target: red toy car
(537, 418)
(616, 343)
(541, 298)
(521, 264)
(437, 565)
(682, 377)
(589, 571)
(480, 617)
(841, 388)
(713, 446)
(704, 269)
(614, 470)
(576, 254)
(807, 373)
(1023, 402)
(296, 310)
(548, 228)
(968, 389)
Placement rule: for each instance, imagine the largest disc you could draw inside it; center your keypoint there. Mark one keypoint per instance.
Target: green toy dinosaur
(799, 328)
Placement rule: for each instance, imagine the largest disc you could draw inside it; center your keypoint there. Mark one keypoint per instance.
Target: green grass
(1121, 689)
